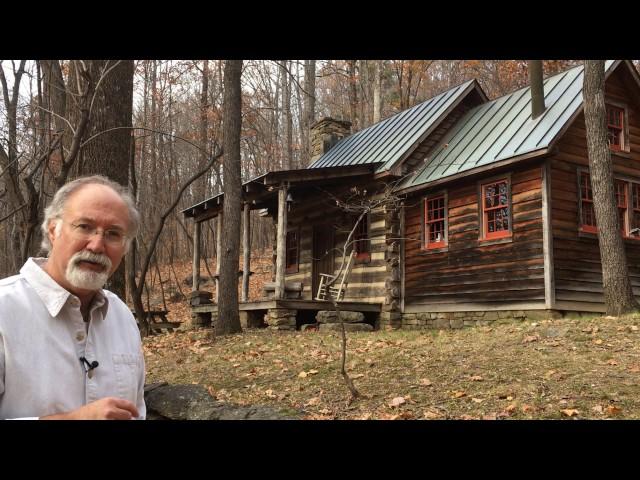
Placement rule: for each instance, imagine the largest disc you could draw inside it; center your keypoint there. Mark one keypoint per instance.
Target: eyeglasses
(84, 231)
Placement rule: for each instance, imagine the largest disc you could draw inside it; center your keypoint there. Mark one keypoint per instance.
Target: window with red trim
(361, 242)
(588, 215)
(621, 202)
(615, 127)
(635, 199)
(495, 209)
(435, 222)
(292, 252)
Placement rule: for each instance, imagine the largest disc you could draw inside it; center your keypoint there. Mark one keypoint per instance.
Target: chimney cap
(344, 123)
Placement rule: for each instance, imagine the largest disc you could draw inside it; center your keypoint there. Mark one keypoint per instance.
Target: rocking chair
(336, 292)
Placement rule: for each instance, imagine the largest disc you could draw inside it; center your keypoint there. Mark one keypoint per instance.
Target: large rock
(193, 402)
(348, 327)
(330, 316)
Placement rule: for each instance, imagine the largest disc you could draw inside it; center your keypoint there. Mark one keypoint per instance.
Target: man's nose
(96, 242)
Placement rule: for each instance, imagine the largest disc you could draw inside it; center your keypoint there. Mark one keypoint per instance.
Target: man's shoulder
(8, 285)
(116, 305)
(10, 280)
(115, 300)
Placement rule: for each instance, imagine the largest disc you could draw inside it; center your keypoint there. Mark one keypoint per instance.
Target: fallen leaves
(312, 402)
(612, 410)
(570, 412)
(432, 414)
(449, 369)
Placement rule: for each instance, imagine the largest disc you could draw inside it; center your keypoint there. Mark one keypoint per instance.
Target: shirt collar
(50, 292)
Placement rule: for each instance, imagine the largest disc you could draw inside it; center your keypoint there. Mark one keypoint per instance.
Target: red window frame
(492, 215)
(622, 204)
(292, 252)
(615, 127)
(635, 204)
(361, 242)
(435, 222)
(587, 213)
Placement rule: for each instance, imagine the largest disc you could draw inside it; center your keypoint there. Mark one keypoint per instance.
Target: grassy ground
(572, 368)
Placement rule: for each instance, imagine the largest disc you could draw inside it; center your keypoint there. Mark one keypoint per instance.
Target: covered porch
(271, 194)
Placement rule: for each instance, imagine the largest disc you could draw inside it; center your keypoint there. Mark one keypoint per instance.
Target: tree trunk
(353, 94)
(228, 314)
(309, 105)
(288, 122)
(201, 185)
(618, 294)
(377, 88)
(9, 162)
(109, 153)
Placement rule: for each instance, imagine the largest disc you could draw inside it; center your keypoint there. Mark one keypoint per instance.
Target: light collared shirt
(43, 336)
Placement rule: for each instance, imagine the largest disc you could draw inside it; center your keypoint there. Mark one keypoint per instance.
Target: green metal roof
(393, 139)
(503, 128)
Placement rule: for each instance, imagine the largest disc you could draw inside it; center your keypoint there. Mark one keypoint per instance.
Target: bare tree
(108, 152)
(377, 91)
(359, 203)
(618, 295)
(309, 105)
(228, 313)
(137, 287)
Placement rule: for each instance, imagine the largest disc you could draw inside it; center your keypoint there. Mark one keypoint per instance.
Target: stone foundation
(330, 316)
(353, 321)
(390, 320)
(252, 318)
(202, 320)
(281, 319)
(442, 320)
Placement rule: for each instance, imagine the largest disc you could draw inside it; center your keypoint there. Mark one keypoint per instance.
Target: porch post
(281, 239)
(246, 252)
(547, 239)
(196, 257)
(218, 253)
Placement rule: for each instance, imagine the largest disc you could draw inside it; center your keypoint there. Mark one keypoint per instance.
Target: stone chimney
(325, 134)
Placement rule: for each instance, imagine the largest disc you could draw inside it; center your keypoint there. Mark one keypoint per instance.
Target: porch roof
(260, 189)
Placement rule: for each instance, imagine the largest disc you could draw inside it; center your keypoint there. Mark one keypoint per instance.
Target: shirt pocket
(126, 372)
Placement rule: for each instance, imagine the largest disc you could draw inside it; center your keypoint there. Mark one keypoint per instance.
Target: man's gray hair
(56, 207)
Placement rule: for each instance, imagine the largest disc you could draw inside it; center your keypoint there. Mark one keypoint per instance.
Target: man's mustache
(85, 255)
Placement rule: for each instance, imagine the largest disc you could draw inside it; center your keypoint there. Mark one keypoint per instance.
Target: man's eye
(113, 235)
(83, 227)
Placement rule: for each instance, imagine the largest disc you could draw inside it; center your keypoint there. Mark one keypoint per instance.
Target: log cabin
(496, 215)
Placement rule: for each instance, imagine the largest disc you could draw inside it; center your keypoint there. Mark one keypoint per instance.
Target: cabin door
(323, 254)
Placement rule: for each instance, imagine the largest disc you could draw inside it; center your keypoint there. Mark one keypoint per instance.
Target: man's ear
(51, 230)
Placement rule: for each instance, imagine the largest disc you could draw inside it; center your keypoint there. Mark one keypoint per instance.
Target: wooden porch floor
(295, 305)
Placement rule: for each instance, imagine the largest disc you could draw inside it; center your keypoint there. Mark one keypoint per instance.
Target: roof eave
(540, 153)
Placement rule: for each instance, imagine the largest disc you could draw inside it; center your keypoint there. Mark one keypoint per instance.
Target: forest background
(154, 123)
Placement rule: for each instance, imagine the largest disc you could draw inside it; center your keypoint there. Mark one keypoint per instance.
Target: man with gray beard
(68, 348)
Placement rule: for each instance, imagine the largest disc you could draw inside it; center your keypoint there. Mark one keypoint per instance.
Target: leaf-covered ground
(571, 368)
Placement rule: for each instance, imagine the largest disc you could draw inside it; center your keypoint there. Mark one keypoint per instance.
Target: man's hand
(109, 408)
